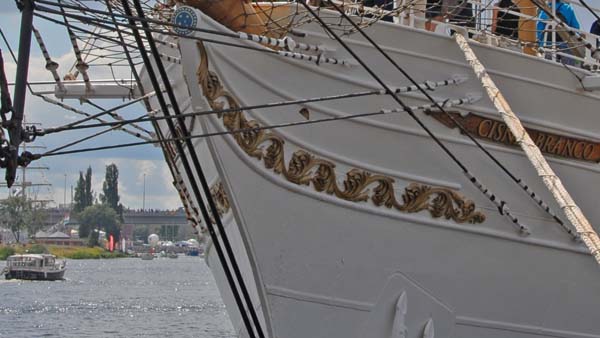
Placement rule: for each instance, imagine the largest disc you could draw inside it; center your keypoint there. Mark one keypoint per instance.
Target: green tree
(37, 217)
(89, 193)
(84, 196)
(98, 217)
(14, 211)
(94, 238)
(16, 214)
(79, 201)
(110, 189)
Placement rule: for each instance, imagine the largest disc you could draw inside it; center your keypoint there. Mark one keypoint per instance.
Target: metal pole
(65, 193)
(20, 88)
(24, 179)
(144, 195)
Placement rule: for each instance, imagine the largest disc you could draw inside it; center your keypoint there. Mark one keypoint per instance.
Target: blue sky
(133, 163)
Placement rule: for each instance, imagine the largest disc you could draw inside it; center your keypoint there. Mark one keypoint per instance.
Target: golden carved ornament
(218, 194)
(304, 168)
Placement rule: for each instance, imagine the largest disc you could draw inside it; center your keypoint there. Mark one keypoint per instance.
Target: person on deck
(458, 12)
(503, 23)
(595, 29)
(566, 14)
(387, 5)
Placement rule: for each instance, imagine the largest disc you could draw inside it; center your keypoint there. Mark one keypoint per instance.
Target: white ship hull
(363, 227)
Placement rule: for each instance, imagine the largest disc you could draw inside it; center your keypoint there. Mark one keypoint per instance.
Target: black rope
(202, 178)
(590, 9)
(71, 125)
(569, 30)
(519, 182)
(501, 206)
(129, 17)
(83, 30)
(5, 101)
(237, 131)
(136, 76)
(87, 138)
(208, 112)
(88, 20)
(199, 171)
(117, 117)
(163, 145)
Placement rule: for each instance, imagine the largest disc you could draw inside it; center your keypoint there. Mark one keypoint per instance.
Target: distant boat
(34, 267)
(147, 256)
(193, 252)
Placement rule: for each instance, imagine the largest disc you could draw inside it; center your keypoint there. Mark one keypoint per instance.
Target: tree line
(104, 213)
(94, 214)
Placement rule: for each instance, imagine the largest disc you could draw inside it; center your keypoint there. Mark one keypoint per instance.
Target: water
(117, 298)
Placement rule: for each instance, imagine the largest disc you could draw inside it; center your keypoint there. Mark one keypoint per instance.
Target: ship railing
(410, 13)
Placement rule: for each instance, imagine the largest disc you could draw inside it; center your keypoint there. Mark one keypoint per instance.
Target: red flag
(111, 243)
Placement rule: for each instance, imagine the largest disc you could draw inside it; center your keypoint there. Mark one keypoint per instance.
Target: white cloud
(132, 162)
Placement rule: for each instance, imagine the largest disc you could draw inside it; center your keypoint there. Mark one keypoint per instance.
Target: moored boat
(34, 267)
(147, 256)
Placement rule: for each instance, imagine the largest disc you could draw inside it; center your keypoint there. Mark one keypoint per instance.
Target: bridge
(131, 217)
(168, 223)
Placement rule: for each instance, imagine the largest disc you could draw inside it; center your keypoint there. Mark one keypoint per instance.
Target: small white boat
(34, 267)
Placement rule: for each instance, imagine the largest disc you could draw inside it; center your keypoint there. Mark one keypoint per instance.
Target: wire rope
(518, 181)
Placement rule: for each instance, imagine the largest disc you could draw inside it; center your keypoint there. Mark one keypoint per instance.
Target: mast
(15, 128)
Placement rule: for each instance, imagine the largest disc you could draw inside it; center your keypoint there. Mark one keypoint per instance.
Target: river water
(125, 297)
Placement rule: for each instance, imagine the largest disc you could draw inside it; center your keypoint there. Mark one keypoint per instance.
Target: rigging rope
(500, 204)
(89, 137)
(429, 85)
(545, 172)
(542, 6)
(80, 112)
(177, 180)
(290, 45)
(198, 170)
(145, 29)
(51, 65)
(519, 181)
(590, 9)
(5, 100)
(93, 116)
(446, 103)
(121, 119)
(81, 66)
(90, 116)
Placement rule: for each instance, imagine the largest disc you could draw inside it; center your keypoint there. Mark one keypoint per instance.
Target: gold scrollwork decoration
(219, 195)
(192, 213)
(304, 168)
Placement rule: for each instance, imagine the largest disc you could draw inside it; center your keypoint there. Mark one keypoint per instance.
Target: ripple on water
(117, 298)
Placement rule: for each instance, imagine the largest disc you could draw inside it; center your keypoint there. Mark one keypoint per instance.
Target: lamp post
(144, 195)
(65, 193)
